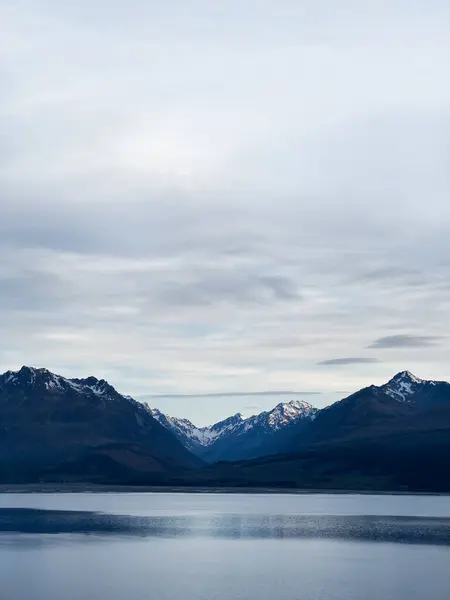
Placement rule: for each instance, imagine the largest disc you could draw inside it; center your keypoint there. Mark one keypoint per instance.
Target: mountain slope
(394, 436)
(51, 424)
(199, 439)
(422, 393)
(236, 438)
(399, 404)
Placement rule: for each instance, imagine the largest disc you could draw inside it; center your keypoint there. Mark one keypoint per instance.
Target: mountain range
(80, 427)
(236, 438)
(393, 436)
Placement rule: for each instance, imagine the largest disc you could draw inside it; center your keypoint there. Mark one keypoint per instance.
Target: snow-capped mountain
(192, 437)
(38, 380)
(406, 387)
(392, 436)
(399, 404)
(50, 422)
(198, 437)
(284, 415)
(294, 424)
(83, 429)
(252, 435)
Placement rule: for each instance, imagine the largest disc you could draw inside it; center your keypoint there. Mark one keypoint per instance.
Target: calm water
(223, 547)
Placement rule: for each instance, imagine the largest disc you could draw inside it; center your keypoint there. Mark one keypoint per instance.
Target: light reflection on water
(219, 547)
(403, 529)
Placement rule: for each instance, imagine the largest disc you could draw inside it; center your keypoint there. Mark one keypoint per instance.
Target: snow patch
(281, 416)
(404, 385)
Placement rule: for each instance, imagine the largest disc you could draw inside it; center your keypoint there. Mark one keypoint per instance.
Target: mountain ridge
(216, 441)
(47, 420)
(391, 436)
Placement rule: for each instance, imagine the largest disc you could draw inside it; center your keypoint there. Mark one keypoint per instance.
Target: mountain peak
(49, 421)
(24, 376)
(42, 380)
(403, 385)
(406, 376)
(294, 404)
(285, 413)
(237, 418)
(25, 369)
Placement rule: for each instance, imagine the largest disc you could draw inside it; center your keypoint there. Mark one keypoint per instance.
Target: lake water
(168, 546)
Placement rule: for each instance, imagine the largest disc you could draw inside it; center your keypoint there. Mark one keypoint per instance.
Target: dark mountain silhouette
(403, 403)
(394, 437)
(80, 428)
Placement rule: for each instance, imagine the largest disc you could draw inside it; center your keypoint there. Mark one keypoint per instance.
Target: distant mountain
(197, 439)
(80, 428)
(375, 410)
(393, 436)
(406, 387)
(236, 438)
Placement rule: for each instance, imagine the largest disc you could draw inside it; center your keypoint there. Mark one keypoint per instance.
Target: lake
(193, 546)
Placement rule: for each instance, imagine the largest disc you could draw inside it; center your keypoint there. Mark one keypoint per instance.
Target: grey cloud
(30, 291)
(189, 226)
(349, 361)
(148, 225)
(405, 341)
(393, 275)
(223, 285)
(234, 394)
(281, 287)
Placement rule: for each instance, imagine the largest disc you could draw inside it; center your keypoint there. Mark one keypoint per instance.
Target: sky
(202, 198)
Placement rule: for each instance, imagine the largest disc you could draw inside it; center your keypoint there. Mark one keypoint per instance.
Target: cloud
(235, 394)
(348, 361)
(220, 285)
(219, 224)
(406, 341)
(31, 290)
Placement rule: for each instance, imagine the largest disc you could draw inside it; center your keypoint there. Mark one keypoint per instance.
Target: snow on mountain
(44, 379)
(270, 432)
(283, 415)
(405, 385)
(48, 421)
(192, 436)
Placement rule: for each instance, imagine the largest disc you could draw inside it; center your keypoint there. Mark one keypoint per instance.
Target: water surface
(224, 546)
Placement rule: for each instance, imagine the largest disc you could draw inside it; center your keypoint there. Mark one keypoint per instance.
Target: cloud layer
(357, 360)
(208, 198)
(406, 341)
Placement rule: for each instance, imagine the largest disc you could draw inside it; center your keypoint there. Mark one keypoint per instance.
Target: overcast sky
(233, 196)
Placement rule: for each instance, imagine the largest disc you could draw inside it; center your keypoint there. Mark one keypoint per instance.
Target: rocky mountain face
(197, 439)
(406, 387)
(403, 402)
(236, 438)
(393, 436)
(80, 428)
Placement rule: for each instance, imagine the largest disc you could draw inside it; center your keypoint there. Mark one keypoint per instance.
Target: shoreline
(34, 488)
